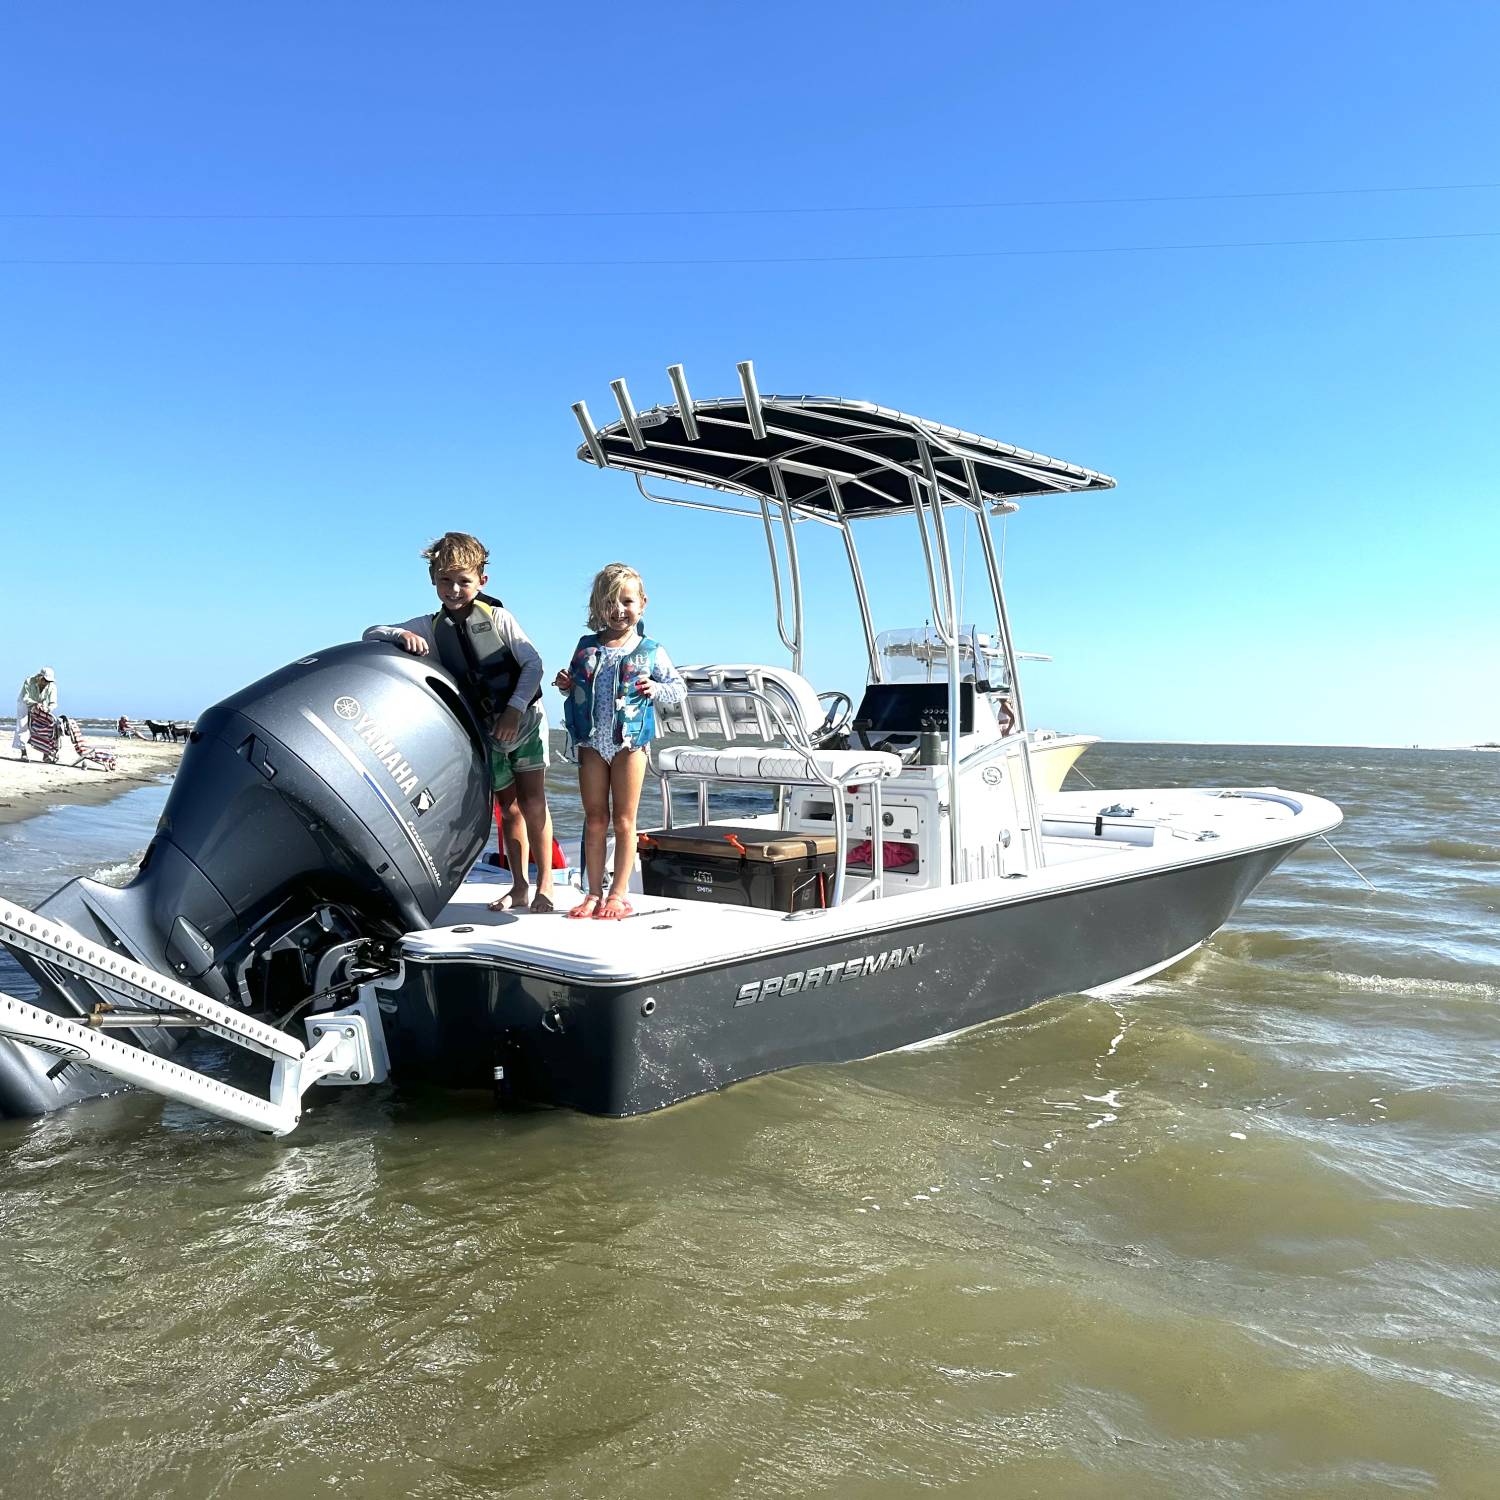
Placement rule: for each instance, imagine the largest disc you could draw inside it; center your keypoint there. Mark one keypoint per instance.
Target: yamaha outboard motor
(317, 815)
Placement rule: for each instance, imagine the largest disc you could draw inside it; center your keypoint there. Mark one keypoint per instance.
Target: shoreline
(29, 787)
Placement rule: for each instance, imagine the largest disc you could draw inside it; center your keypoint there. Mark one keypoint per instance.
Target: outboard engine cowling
(340, 799)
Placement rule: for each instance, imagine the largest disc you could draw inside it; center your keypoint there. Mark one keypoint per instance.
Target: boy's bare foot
(614, 908)
(541, 903)
(515, 899)
(585, 908)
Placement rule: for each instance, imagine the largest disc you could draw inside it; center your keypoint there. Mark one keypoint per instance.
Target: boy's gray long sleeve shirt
(528, 658)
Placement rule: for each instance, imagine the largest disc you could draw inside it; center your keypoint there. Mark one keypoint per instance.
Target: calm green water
(1234, 1234)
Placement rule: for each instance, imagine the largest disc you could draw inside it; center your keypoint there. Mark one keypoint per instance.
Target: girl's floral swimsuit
(608, 700)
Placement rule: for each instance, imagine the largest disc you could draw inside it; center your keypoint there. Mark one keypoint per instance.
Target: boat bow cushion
(786, 767)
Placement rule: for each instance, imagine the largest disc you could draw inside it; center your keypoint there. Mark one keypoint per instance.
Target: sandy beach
(28, 787)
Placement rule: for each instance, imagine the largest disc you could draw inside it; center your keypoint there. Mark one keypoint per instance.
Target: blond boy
(499, 673)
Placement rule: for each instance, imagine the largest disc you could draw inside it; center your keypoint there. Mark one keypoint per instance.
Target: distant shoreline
(1293, 745)
(30, 787)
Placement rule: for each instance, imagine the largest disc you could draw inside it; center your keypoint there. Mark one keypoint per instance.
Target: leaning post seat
(768, 717)
(744, 702)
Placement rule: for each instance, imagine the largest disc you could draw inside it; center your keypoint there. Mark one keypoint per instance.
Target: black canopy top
(872, 453)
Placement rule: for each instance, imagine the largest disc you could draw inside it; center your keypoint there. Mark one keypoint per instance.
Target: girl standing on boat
(610, 688)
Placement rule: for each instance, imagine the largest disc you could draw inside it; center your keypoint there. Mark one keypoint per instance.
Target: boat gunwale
(810, 935)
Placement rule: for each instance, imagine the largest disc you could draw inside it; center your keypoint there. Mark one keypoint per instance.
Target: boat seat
(785, 767)
(779, 711)
(713, 707)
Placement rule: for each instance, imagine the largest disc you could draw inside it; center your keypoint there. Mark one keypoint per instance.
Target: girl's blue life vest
(635, 717)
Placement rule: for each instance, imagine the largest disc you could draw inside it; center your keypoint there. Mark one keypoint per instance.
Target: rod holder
(590, 433)
(627, 414)
(684, 402)
(752, 400)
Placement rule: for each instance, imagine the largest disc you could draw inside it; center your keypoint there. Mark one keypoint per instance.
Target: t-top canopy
(810, 446)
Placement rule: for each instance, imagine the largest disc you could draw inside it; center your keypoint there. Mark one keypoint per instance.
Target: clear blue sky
(209, 469)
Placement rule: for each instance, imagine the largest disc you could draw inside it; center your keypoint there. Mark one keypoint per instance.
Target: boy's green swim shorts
(529, 753)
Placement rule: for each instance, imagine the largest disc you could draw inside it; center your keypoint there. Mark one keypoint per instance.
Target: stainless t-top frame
(834, 461)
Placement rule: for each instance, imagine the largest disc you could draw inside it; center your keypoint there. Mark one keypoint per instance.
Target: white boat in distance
(916, 870)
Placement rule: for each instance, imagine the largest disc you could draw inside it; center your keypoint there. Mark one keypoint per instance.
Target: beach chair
(43, 730)
(100, 760)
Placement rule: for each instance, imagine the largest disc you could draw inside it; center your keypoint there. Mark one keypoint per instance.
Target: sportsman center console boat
(915, 871)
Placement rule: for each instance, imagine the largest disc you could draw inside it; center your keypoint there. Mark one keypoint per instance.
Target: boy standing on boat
(499, 672)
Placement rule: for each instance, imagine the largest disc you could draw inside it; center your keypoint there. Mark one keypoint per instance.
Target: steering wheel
(835, 717)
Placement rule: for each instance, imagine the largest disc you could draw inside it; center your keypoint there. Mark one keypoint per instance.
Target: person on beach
(615, 677)
(38, 691)
(499, 672)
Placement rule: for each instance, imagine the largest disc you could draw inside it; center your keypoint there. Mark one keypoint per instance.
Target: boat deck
(1090, 837)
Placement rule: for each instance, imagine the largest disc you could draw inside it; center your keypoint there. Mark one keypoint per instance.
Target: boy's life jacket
(479, 661)
(635, 716)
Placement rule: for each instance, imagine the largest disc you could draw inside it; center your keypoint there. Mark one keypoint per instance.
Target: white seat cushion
(777, 766)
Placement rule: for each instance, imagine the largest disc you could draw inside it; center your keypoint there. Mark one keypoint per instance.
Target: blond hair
(608, 582)
(453, 550)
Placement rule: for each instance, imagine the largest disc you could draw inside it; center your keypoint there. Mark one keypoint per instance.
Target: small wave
(1463, 1112)
(1254, 951)
(116, 874)
(1431, 957)
(1455, 989)
(1465, 849)
(1261, 944)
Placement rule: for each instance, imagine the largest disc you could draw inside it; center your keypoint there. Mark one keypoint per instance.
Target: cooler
(762, 867)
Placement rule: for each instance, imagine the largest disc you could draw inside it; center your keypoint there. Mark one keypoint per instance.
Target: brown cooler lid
(768, 844)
